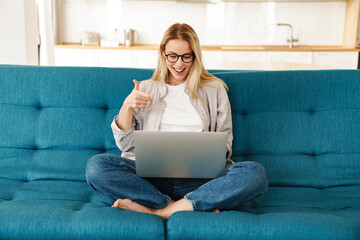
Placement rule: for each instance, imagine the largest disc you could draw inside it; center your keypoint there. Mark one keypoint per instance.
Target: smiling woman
(181, 96)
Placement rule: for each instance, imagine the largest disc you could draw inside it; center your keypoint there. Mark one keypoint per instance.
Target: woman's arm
(126, 122)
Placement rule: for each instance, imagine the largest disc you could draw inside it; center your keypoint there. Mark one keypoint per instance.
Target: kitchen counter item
(129, 37)
(90, 38)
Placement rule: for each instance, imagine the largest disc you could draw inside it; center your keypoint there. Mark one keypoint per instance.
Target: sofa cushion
(295, 224)
(281, 213)
(54, 209)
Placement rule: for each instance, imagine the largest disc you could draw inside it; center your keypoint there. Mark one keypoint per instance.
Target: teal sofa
(302, 126)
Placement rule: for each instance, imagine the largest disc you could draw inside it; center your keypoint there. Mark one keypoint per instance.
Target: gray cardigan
(216, 114)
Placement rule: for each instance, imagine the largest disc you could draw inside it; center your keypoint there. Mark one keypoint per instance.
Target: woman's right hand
(137, 99)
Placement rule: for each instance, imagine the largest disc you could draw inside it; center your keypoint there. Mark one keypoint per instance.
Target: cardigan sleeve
(224, 119)
(123, 138)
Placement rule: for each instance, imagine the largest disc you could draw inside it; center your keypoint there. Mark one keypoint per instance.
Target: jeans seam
(191, 201)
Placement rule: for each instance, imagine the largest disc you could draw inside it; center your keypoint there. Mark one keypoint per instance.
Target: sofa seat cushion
(281, 213)
(52, 209)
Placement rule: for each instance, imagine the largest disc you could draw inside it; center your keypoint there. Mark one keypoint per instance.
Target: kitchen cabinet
(343, 60)
(105, 58)
(212, 59)
(291, 57)
(110, 58)
(241, 56)
(240, 59)
(145, 58)
(74, 57)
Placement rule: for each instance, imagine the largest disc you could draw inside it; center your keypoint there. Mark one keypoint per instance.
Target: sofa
(302, 126)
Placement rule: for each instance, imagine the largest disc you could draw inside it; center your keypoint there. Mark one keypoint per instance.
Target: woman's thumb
(136, 84)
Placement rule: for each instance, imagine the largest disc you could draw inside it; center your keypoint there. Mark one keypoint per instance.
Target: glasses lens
(187, 58)
(172, 58)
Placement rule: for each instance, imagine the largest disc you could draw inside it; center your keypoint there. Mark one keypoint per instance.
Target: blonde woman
(180, 96)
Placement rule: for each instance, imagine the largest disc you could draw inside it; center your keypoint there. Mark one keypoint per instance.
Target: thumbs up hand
(136, 83)
(137, 99)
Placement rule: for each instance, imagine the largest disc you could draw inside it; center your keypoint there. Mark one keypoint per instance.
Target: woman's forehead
(178, 46)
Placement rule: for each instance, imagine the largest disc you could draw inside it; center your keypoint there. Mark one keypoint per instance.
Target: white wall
(18, 28)
(230, 23)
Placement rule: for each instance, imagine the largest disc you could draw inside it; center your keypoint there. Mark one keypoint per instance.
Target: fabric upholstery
(55, 209)
(302, 126)
(53, 120)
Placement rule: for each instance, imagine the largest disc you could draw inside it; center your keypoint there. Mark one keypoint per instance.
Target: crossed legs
(116, 178)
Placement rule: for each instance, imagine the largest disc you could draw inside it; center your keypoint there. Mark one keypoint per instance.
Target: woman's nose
(179, 63)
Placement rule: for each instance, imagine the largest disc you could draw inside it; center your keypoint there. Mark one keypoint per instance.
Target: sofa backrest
(53, 119)
(302, 126)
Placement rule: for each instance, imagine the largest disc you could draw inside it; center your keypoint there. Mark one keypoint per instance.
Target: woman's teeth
(179, 70)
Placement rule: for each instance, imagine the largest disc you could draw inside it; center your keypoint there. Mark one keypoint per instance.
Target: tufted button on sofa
(302, 126)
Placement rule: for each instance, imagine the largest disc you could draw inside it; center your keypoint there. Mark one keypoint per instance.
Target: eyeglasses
(186, 58)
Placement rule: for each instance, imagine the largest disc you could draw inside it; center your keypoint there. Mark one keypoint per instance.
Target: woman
(180, 96)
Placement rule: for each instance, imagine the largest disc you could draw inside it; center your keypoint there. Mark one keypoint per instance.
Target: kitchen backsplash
(226, 23)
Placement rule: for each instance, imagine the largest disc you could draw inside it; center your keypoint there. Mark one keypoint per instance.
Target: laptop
(180, 154)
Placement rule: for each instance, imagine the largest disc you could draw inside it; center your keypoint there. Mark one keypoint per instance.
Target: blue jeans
(116, 177)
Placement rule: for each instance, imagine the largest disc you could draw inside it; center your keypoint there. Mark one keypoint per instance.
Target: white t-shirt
(180, 114)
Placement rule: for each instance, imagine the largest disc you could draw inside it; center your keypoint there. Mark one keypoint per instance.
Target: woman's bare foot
(127, 204)
(172, 207)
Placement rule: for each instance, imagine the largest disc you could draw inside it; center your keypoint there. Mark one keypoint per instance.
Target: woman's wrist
(126, 108)
(125, 118)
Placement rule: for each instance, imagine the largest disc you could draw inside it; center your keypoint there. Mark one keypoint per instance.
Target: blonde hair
(197, 76)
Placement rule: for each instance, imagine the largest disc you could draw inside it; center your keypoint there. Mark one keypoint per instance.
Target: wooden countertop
(296, 48)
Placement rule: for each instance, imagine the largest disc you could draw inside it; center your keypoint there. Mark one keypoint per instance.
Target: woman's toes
(117, 203)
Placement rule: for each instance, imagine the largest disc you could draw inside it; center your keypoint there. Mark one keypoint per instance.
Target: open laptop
(180, 154)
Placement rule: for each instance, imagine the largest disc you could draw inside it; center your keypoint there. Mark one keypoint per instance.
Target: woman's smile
(179, 70)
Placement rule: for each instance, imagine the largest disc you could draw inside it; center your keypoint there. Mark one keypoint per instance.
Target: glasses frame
(179, 56)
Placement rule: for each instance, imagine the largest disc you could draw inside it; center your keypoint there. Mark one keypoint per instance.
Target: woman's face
(179, 69)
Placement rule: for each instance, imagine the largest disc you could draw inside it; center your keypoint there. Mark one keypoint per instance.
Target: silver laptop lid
(180, 154)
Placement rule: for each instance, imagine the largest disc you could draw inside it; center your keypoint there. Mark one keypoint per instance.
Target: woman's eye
(187, 57)
(173, 56)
